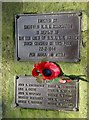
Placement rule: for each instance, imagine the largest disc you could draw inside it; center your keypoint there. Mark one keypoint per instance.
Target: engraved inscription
(30, 94)
(62, 26)
(54, 36)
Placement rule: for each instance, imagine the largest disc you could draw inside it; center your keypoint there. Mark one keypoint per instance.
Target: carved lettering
(50, 26)
(28, 43)
(47, 35)
(44, 20)
(42, 54)
(31, 54)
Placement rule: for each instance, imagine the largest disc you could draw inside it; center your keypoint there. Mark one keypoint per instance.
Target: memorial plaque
(55, 36)
(54, 96)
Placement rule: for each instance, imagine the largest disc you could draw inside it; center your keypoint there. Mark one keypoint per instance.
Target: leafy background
(11, 68)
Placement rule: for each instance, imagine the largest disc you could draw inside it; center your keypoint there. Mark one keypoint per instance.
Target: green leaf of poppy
(57, 80)
(50, 81)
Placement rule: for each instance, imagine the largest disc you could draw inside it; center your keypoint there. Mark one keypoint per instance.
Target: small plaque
(53, 36)
(54, 96)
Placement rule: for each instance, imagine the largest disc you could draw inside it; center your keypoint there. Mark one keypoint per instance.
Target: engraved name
(50, 26)
(49, 37)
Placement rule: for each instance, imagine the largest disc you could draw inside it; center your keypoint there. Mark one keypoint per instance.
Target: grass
(12, 68)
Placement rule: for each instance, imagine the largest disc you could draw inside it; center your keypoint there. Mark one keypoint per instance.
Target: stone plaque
(55, 36)
(54, 96)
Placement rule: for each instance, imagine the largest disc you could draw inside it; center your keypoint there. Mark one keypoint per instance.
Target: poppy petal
(40, 66)
(34, 72)
(47, 78)
(53, 67)
(36, 64)
(69, 80)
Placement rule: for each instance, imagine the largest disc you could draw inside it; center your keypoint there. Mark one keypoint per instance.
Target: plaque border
(75, 109)
(78, 13)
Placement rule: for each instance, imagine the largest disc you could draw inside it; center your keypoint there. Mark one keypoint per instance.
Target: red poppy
(49, 70)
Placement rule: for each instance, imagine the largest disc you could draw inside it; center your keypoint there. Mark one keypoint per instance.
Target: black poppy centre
(47, 72)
